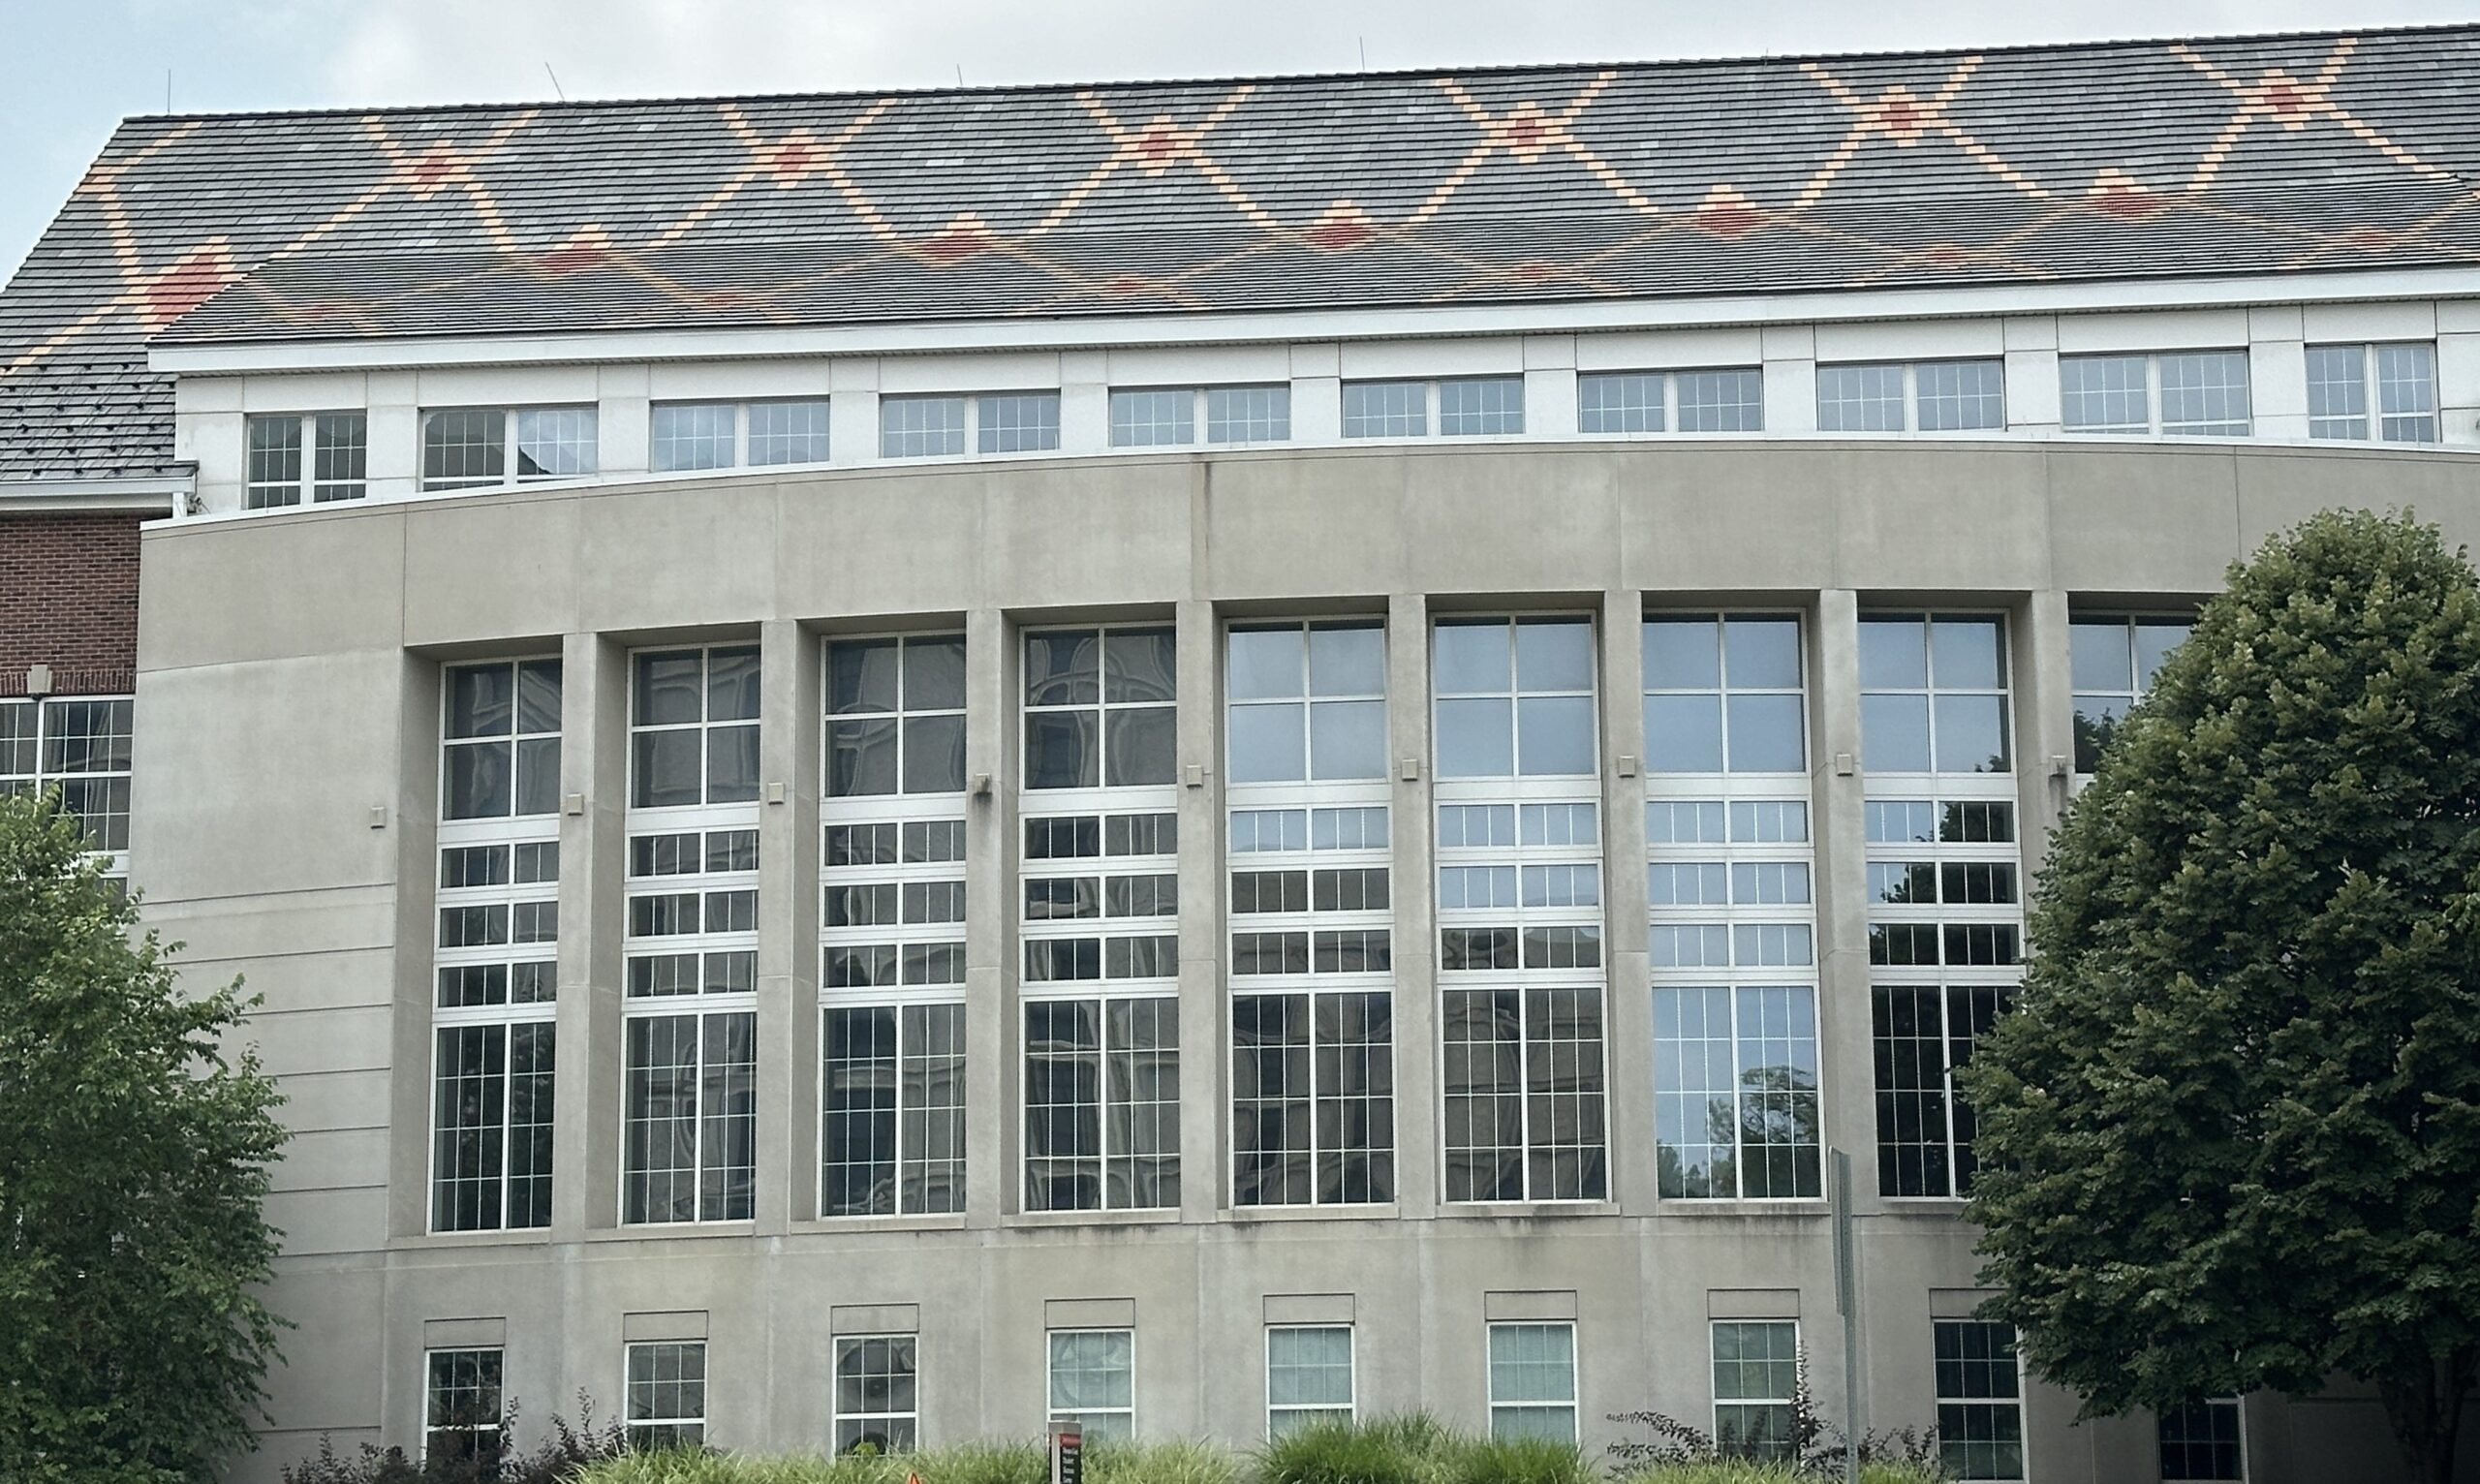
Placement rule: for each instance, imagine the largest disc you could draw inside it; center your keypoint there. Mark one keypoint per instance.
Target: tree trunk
(2424, 1402)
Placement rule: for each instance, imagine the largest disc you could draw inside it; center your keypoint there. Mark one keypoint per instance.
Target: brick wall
(69, 599)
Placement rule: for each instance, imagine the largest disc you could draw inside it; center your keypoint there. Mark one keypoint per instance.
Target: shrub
(563, 1456)
(1679, 1450)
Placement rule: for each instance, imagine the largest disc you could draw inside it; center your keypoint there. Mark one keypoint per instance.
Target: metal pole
(1845, 1303)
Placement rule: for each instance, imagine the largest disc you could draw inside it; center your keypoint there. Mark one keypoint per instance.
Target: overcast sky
(75, 68)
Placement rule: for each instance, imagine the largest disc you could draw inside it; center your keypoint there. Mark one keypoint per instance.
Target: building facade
(1187, 756)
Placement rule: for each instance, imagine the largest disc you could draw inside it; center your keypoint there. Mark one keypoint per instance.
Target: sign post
(1846, 1303)
(1067, 1453)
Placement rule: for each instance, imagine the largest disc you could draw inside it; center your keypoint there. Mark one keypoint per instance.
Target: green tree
(2231, 1137)
(133, 1160)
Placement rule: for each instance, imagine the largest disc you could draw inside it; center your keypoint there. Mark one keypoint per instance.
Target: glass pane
(1766, 735)
(1683, 733)
(1554, 655)
(732, 764)
(1972, 735)
(1141, 746)
(1554, 735)
(1892, 651)
(1139, 665)
(1471, 659)
(1265, 663)
(481, 701)
(1475, 738)
(934, 673)
(1968, 653)
(1893, 733)
(1763, 652)
(1347, 739)
(1267, 745)
(862, 675)
(1062, 750)
(667, 689)
(2097, 655)
(1348, 662)
(664, 769)
(1063, 668)
(934, 755)
(2154, 642)
(1683, 654)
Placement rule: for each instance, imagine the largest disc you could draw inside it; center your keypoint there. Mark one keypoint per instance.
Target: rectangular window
(1756, 1366)
(690, 995)
(1092, 1382)
(1170, 416)
(79, 744)
(892, 928)
(875, 1394)
(1932, 693)
(1736, 1104)
(1533, 1382)
(1932, 396)
(477, 447)
(1312, 921)
(1459, 407)
(2405, 376)
(726, 435)
(318, 456)
(1721, 401)
(2204, 1440)
(2201, 393)
(493, 1043)
(1980, 1400)
(462, 1418)
(1519, 899)
(1308, 1376)
(2113, 658)
(946, 427)
(665, 1406)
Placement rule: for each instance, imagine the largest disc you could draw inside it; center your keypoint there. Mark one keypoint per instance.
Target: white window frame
(2150, 361)
(512, 832)
(2140, 684)
(1520, 792)
(1433, 404)
(1499, 1406)
(41, 707)
(1670, 384)
(1908, 376)
(307, 488)
(1712, 1333)
(431, 1356)
(2016, 1404)
(1309, 798)
(739, 412)
(2374, 418)
(704, 820)
(977, 412)
(633, 1427)
(842, 1348)
(1200, 416)
(1278, 1411)
(509, 445)
(2239, 1412)
(1052, 1412)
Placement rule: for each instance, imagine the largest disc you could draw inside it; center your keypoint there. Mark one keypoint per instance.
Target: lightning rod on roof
(960, 75)
(555, 81)
(1364, 51)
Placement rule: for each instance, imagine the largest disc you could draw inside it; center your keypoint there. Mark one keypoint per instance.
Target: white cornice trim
(1120, 331)
(143, 494)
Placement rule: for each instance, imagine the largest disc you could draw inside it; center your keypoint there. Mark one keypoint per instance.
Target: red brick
(69, 599)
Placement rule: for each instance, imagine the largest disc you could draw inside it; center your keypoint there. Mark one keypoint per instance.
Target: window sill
(671, 1231)
(1525, 1210)
(1806, 1207)
(1160, 1216)
(828, 1226)
(519, 1236)
(1371, 1212)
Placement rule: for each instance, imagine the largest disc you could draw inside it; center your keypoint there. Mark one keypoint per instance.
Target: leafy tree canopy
(2231, 1138)
(133, 1160)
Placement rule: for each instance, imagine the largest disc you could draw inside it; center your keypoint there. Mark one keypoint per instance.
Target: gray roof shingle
(1507, 185)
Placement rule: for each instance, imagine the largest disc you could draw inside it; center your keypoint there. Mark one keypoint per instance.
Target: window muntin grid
(1149, 418)
(462, 1416)
(1309, 893)
(1309, 1375)
(1099, 708)
(665, 1398)
(2180, 393)
(1533, 1382)
(79, 744)
(336, 466)
(1724, 693)
(1980, 1400)
(1458, 406)
(2204, 1439)
(877, 1393)
(1519, 909)
(2111, 659)
(687, 436)
(477, 447)
(1727, 400)
(1756, 1365)
(1931, 395)
(1934, 693)
(493, 1044)
(690, 954)
(2405, 376)
(976, 424)
(1737, 1110)
(1092, 1382)
(895, 716)
(891, 1109)
(1101, 1103)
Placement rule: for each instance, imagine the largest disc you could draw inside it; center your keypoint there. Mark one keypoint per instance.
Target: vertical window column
(1092, 1382)
(1099, 921)
(690, 1011)
(1945, 919)
(1519, 906)
(891, 986)
(664, 1404)
(79, 744)
(1756, 1367)
(1729, 884)
(1980, 1400)
(1533, 1382)
(495, 970)
(1312, 969)
(876, 1400)
(462, 1416)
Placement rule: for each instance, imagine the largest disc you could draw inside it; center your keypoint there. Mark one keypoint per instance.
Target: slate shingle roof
(1506, 185)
